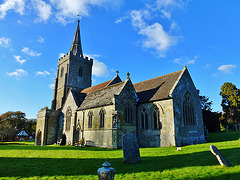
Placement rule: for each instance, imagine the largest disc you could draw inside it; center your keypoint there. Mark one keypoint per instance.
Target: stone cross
(131, 152)
(222, 160)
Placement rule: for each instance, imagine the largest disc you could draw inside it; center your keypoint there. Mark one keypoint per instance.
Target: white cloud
(93, 56)
(40, 39)
(18, 73)
(227, 69)
(21, 61)
(184, 60)
(61, 55)
(51, 86)
(154, 36)
(4, 42)
(157, 38)
(15, 5)
(165, 7)
(42, 73)
(30, 52)
(43, 9)
(68, 10)
(99, 68)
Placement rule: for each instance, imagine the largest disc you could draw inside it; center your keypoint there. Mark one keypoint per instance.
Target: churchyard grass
(55, 162)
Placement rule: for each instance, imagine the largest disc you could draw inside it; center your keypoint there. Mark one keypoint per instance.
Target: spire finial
(76, 47)
(128, 74)
(117, 72)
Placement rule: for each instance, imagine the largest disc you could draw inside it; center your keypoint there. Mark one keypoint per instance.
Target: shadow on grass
(223, 136)
(30, 167)
(18, 146)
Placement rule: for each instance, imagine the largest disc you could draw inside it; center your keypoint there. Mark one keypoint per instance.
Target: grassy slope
(55, 162)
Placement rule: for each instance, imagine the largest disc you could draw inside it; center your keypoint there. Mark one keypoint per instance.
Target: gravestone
(130, 148)
(221, 159)
(63, 141)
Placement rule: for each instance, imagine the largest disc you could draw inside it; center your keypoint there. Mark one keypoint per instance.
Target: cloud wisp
(184, 60)
(17, 73)
(30, 52)
(227, 69)
(42, 73)
(4, 42)
(21, 61)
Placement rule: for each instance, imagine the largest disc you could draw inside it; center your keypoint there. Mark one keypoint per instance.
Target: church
(163, 111)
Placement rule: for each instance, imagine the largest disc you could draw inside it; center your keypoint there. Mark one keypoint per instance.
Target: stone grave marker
(221, 159)
(130, 146)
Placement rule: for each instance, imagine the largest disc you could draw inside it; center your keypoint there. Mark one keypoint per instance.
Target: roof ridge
(159, 77)
(105, 87)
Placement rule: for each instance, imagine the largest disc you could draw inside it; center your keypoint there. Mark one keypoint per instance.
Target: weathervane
(79, 17)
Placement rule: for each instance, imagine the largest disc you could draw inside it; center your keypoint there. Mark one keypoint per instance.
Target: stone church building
(163, 111)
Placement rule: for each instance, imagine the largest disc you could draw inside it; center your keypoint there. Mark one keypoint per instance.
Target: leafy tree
(210, 119)
(206, 104)
(230, 102)
(6, 130)
(10, 123)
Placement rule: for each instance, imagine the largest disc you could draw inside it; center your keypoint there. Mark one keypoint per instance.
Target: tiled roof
(115, 80)
(101, 97)
(157, 88)
(97, 87)
(22, 133)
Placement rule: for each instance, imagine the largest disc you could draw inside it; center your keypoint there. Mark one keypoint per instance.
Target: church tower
(74, 72)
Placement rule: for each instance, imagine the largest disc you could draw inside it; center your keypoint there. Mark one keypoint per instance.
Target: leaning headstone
(63, 141)
(221, 159)
(130, 148)
(106, 172)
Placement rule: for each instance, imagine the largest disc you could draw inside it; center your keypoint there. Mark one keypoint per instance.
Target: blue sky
(147, 38)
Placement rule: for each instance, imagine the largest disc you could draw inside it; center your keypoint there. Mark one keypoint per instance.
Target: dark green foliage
(13, 122)
(210, 119)
(230, 102)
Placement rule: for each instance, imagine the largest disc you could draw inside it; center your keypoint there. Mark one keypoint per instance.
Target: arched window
(144, 119)
(102, 118)
(156, 119)
(128, 114)
(90, 115)
(62, 72)
(188, 110)
(80, 73)
(68, 119)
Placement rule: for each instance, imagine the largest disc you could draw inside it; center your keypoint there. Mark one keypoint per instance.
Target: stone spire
(76, 47)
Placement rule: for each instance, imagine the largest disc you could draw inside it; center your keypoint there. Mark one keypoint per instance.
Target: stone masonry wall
(47, 123)
(127, 98)
(70, 102)
(96, 136)
(187, 134)
(152, 137)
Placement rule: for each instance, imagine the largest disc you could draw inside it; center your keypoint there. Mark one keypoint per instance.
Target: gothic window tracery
(144, 119)
(68, 119)
(188, 110)
(90, 115)
(128, 114)
(102, 118)
(156, 118)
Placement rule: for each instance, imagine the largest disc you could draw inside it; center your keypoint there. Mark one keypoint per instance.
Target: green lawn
(55, 162)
